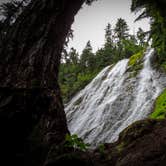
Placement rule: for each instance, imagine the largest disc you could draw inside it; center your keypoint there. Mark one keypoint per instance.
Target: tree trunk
(32, 116)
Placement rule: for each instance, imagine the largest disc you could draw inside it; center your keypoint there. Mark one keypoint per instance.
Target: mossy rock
(160, 107)
(135, 64)
(120, 147)
(163, 67)
(135, 130)
(135, 59)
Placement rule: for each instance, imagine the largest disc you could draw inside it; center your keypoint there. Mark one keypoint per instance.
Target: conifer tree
(87, 57)
(121, 30)
(121, 34)
(141, 36)
(108, 36)
(73, 56)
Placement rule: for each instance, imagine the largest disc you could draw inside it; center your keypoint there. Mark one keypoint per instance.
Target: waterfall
(114, 100)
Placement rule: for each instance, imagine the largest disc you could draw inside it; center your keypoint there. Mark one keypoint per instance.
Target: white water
(113, 100)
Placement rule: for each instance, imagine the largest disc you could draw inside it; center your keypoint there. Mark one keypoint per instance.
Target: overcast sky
(91, 21)
(3, 1)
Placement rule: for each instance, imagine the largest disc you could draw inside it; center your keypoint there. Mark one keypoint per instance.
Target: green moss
(130, 137)
(135, 64)
(120, 147)
(160, 107)
(135, 59)
(163, 66)
(135, 131)
(102, 149)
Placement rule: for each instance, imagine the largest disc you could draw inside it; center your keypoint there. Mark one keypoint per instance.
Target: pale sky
(3, 1)
(91, 21)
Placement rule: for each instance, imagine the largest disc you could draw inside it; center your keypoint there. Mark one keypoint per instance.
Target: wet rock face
(148, 147)
(142, 143)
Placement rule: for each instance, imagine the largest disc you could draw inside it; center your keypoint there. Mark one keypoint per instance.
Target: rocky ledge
(141, 144)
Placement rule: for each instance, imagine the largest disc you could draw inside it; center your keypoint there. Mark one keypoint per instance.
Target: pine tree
(73, 56)
(87, 57)
(141, 36)
(108, 36)
(121, 30)
(121, 34)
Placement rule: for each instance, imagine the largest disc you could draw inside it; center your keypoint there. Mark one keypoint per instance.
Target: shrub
(72, 141)
(160, 107)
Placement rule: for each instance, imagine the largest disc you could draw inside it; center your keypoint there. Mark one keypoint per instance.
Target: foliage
(135, 59)
(72, 79)
(135, 63)
(130, 47)
(120, 147)
(101, 149)
(87, 57)
(163, 66)
(72, 141)
(141, 35)
(121, 29)
(160, 107)
(108, 36)
(156, 12)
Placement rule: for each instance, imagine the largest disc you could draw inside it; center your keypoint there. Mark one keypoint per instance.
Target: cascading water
(113, 100)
